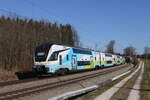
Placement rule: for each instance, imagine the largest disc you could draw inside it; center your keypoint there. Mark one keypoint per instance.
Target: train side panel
(51, 58)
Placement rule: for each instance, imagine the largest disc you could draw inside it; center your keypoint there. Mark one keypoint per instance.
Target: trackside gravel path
(135, 93)
(110, 92)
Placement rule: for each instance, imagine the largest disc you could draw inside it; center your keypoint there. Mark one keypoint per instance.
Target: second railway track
(27, 91)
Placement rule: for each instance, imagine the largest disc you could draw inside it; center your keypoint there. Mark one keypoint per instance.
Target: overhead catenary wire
(8, 13)
(38, 6)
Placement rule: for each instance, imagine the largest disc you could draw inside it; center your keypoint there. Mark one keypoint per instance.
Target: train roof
(49, 44)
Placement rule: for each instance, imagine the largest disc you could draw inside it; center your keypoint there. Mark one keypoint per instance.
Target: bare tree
(146, 52)
(110, 47)
(130, 51)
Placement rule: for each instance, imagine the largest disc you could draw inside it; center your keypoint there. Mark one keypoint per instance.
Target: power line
(10, 13)
(4, 10)
(40, 8)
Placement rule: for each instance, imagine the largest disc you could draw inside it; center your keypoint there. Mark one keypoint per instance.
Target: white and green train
(53, 58)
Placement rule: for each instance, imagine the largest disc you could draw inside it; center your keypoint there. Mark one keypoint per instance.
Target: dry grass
(123, 92)
(92, 95)
(7, 76)
(145, 85)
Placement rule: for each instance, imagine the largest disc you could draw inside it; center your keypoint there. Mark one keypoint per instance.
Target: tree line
(19, 37)
(146, 54)
(129, 51)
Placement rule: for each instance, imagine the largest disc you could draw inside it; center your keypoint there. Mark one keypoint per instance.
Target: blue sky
(97, 21)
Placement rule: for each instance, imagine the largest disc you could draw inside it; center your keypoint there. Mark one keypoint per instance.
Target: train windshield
(41, 52)
(54, 56)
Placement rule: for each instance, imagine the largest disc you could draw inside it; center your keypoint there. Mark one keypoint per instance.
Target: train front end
(41, 66)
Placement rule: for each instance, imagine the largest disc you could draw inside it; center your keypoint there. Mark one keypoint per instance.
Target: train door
(91, 59)
(103, 60)
(100, 61)
(74, 62)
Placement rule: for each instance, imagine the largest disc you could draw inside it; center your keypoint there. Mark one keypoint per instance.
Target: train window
(82, 51)
(82, 63)
(108, 55)
(109, 62)
(60, 59)
(118, 56)
(67, 57)
(41, 52)
(54, 56)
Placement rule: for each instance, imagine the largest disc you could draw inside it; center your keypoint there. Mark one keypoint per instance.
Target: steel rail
(27, 91)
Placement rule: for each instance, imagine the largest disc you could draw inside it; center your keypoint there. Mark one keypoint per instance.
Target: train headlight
(33, 66)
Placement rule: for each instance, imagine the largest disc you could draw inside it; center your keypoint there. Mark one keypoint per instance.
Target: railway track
(2, 84)
(35, 89)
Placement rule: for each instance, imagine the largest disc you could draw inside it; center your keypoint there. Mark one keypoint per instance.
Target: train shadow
(26, 75)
